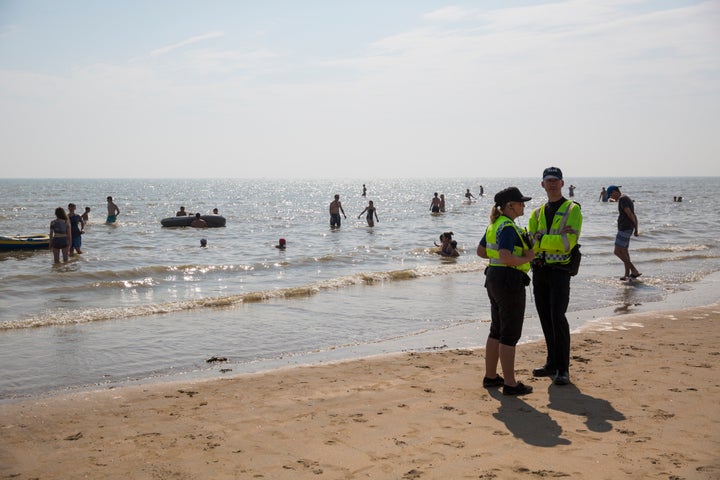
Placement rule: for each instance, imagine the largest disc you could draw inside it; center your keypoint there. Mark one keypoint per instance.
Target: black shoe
(493, 382)
(562, 378)
(518, 389)
(544, 371)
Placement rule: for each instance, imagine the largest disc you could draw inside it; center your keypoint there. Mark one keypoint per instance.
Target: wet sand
(643, 404)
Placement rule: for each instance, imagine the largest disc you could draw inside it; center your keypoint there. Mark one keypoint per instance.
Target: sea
(144, 303)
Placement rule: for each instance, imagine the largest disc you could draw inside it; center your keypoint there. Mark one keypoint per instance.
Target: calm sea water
(145, 302)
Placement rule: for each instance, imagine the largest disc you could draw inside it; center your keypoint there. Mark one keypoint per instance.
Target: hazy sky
(361, 89)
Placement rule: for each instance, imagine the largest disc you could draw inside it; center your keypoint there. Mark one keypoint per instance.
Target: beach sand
(644, 404)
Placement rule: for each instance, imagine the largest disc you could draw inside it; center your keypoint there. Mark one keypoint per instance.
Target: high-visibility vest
(492, 249)
(554, 246)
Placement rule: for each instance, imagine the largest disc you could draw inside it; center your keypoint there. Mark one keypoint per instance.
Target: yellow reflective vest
(492, 249)
(553, 246)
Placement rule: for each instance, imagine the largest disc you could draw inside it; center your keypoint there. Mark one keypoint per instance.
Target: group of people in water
(198, 221)
(437, 202)
(66, 232)
(448, 246)
(336, 209)
(67, 229)
(183, 213)
(548, 248)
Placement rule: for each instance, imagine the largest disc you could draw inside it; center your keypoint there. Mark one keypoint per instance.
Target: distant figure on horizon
(571, 190)
(113, 211)
(482, 191)
(442, 202)
(203, 242)
(603, 195)
(335, 209)
(86, 216)
(364, 190)
(215, 211)
(181, 212)
(469, 195)
(281, 244)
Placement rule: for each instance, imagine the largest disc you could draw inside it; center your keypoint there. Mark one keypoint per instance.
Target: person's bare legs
(507, 361)
(492, 356)
(624, 255)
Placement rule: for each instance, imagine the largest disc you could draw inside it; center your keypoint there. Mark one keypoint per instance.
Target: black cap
(552, 172)
(510, 194)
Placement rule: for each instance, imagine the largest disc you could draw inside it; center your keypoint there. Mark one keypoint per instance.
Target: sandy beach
(643, 404)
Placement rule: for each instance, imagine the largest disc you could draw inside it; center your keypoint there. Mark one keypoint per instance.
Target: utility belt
(540, 263)
(509, 272)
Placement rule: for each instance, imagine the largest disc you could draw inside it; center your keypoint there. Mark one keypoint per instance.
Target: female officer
(509, 257)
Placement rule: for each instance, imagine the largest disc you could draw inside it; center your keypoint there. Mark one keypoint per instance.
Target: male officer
(555, 228)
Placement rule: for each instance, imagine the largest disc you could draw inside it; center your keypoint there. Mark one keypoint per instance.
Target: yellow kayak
(24, 242)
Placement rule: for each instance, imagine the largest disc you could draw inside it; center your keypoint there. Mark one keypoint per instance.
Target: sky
(358, 89)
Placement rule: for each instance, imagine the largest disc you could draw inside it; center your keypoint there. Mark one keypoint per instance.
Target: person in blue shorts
(77, 226)
(627, 227)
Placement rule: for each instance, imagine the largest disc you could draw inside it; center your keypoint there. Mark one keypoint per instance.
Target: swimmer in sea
(371, 210)
(198, 222)
(435, 204)
(113, 211)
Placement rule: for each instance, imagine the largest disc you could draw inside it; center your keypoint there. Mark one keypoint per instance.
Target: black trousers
(551, 289)
(506, 291)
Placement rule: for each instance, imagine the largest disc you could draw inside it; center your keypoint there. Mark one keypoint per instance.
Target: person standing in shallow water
(77, 225)
(60, 235)
(509, 255)
(435, 203)
(627, 227)
(335, 210)
(113, 211)
(371, 210)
